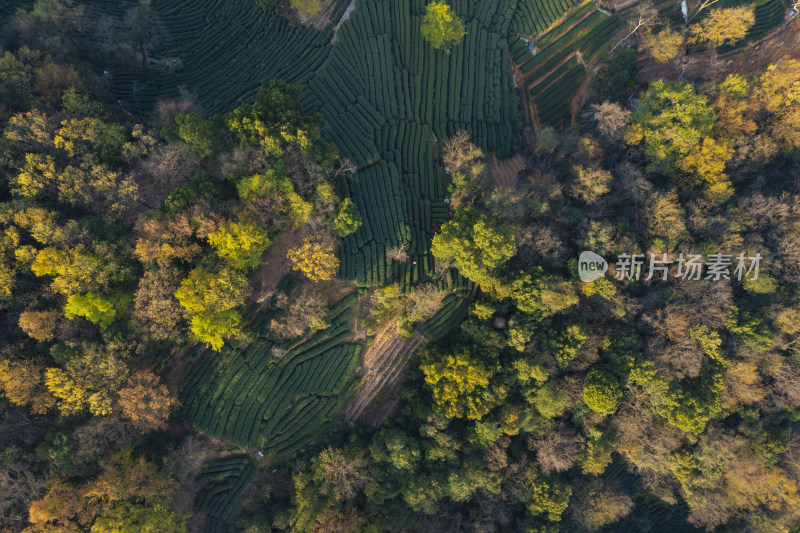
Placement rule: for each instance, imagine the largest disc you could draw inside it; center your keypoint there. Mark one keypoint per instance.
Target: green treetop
(602, 392)
(674, 119)
(93, 307)
(211, 300)
(476, 244)
(348, 218)
(240, 244)
(275, 120)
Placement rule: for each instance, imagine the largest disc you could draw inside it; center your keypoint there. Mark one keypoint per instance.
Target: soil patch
(319, 21)
(504, 173)
(275, 265)
(379, 391)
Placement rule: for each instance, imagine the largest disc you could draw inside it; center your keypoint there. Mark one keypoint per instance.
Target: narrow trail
(347, 13)
(345, 16)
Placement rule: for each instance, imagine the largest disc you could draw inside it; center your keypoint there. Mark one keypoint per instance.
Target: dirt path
(345, 16)
(384, 360)
(274, 266)
(347, 13)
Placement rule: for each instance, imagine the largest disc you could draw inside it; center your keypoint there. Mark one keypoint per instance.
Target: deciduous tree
(538, 293)
(441, 27)
(777, 89)
(663, 46)
(240, 244)
(81, 269)
(315, 258)
(595, 505)
(156, 312)
(125, 477)
(207, 291)
(459, 383)
(642, 16)
(348, 218)
(723, 25)
(211, 299)
(590, 183)
(127, 516)
(199, 134)
(342, 475)
(42, 326)
(477, 245)
(22, 383)
(93, 307)
(611, 119)
(602, 392)
(301, 313)
(90, 380)
(91, 140)
(459, 154)
(310, 8)
(275, 120)
(146, 401)
(674, 119)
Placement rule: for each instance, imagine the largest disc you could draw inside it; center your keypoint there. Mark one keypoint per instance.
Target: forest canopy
(332, 266)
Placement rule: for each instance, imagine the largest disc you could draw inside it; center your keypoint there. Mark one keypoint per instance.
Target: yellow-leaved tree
(441, 27)
(314, 258)
(778, 90)
(723, 25)
(88, 381)
(663, 46)
(460, 384)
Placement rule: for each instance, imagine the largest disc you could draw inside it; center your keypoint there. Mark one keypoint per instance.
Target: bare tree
(643, 15)
(170, 166)
(343, 476)
(424, 301)
(611, 119)
(558, 450)
(166, 110)
(399, 254)
(18, 487)
(156, 313)
(461, 155)
(300, 313)
(703, 5)
(345, 167)
(596, 504)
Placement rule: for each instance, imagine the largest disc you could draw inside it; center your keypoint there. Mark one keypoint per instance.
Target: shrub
(602, 392)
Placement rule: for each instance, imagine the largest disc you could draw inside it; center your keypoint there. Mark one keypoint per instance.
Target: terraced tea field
(270, 396)
(225, 479)
(554, 71)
